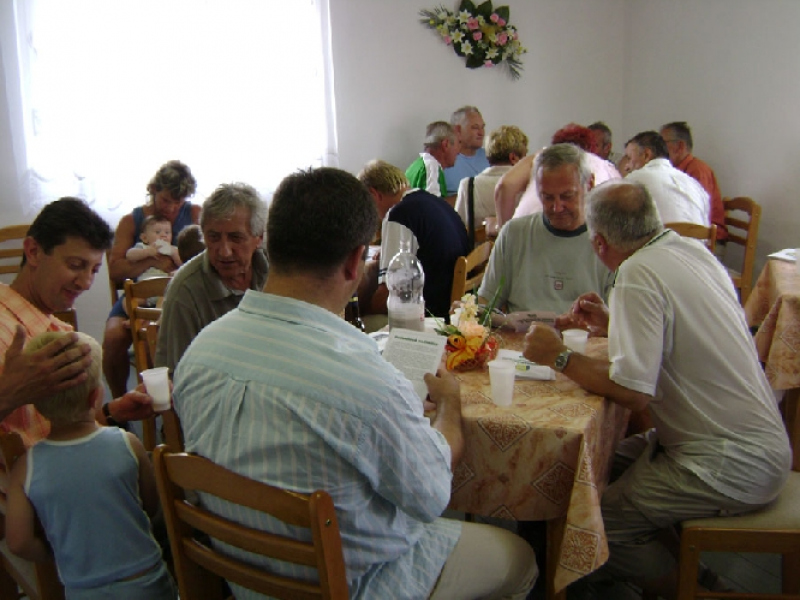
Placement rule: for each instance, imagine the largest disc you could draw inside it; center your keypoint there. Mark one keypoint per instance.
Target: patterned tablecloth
(545, 457)
(774, 305)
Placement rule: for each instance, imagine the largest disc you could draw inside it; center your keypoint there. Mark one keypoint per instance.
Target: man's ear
(95, 399)
(352, 264)
(590, 183)
(33, 251)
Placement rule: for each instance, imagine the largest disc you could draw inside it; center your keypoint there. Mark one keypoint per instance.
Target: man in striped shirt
(282, 390)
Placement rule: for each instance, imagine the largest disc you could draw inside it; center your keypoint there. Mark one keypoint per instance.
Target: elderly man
(505, 146)
(516, 194)
(603, 141)
(544, 258)
(298, 385)
(213, 282)
(62, 253)
(678, 347)
(469, 127)
(441, 148)
(678, 138)
(437, 235)
(679, 197)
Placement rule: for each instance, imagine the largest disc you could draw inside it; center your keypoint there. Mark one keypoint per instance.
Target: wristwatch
(561, 360)
(110, 421)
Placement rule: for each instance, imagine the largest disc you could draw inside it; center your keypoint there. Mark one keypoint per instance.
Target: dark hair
(600, 126)
(681, 131)
(316, 218)
(651, 140)
(69, 217)
(190, 242)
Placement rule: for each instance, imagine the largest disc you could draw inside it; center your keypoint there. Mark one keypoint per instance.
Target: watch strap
(110, 421)
(562, 359)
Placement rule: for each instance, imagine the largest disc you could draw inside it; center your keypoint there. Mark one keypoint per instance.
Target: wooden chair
(115, 287)
(774, 529)
(11, 262)
(136, 294)
(696, 231)
(38, 581)
(742, 217)
(468, 271)
(200, 568)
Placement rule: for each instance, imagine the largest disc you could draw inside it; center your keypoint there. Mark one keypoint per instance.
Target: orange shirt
(698, 169)
(14, 309)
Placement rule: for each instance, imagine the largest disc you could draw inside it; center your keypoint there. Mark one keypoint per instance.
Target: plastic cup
(156, 382)
(575, 339)
(501, 377)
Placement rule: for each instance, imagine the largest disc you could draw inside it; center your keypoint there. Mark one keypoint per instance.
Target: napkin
(526, 369)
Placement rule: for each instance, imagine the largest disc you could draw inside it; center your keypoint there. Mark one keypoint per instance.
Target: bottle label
(407, 316)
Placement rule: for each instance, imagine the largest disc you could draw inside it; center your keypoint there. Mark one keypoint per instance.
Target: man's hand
(133, 406)
(442, 387)
(444, 393)
(587, 312)
(60, 365)
(543, 344)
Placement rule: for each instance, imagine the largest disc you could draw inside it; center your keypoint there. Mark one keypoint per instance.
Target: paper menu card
(526, 369)
(415, 353)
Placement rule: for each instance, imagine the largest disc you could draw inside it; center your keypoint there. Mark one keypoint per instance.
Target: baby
(156, 238)
(92, 488)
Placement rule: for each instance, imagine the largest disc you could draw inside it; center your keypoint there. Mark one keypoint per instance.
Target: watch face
(562, 360)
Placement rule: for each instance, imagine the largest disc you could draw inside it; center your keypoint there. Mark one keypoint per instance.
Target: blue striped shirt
(288, 393)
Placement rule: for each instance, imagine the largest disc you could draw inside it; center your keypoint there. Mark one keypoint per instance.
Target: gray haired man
(441, 147)
(211, 284)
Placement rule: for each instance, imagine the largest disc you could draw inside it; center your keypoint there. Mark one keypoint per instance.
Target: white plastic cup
(501, 376)
(575, 339)
(156, 382)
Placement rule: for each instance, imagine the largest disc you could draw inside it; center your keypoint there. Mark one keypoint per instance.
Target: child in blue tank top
(92, 488)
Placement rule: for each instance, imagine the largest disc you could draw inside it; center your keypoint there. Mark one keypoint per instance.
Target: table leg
(555, 533)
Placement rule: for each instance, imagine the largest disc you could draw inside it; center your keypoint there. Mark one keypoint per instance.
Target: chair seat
(783, 513)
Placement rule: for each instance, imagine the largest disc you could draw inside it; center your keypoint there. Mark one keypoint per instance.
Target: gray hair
(437, 132)
(681, 131)
(224, 201)
(600, 126)
(623, 213)
(557, 155)
(460, 116)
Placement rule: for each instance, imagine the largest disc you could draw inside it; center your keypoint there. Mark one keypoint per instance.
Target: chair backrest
(696, 231)
(742, 217)
(11, 252)
(38, 581)
(469, 270)
(199, 568)
(137, 294)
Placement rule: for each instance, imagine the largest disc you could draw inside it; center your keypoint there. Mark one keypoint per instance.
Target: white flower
(457, 36)
(492, 54)
(464, 16)
(466, 47)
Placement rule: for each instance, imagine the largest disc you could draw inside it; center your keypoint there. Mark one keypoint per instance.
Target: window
(109, 90)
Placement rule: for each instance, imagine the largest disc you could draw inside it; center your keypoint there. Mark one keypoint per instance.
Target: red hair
(576, 134)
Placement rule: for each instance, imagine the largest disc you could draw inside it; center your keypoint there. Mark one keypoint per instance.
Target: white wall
(729, 67)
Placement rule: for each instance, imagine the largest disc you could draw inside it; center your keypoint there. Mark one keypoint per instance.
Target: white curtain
(102, 92)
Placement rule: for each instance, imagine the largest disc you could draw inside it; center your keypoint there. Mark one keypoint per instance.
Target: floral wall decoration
(480, 34)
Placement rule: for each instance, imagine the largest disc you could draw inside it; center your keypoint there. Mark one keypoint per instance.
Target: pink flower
(501, 22)
(472, 23)
(494, 18)
(502, 39)
(477, 35)
(448, 40)
(516, 35)
(488, 63)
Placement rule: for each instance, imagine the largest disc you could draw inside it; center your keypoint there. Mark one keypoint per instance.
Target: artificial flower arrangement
(470, 342)
(480, 34)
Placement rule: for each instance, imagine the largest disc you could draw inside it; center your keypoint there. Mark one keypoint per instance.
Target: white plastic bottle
(405, 280)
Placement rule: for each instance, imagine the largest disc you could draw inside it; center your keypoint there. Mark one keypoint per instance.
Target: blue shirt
(466, 166)
(286, 392)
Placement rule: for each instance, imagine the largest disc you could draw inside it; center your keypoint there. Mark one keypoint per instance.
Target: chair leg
(688, 566)
(790, 573)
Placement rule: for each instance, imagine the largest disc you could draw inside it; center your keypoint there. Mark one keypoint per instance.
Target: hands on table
(587, 312)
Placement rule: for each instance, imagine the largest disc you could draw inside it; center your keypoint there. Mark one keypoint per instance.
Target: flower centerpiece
(480, 34)
(470, 343)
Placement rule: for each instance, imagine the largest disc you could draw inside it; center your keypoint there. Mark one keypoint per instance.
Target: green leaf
(484, 9)
(474, 61)
(468, 6)
(487, 317)
(503, 12)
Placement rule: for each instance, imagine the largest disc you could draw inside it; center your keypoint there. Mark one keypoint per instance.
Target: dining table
(774, 308)
(547, 457)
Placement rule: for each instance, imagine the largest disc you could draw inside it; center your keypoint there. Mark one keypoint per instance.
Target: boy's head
(190, 242)
(72, 404)
(156, 228)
